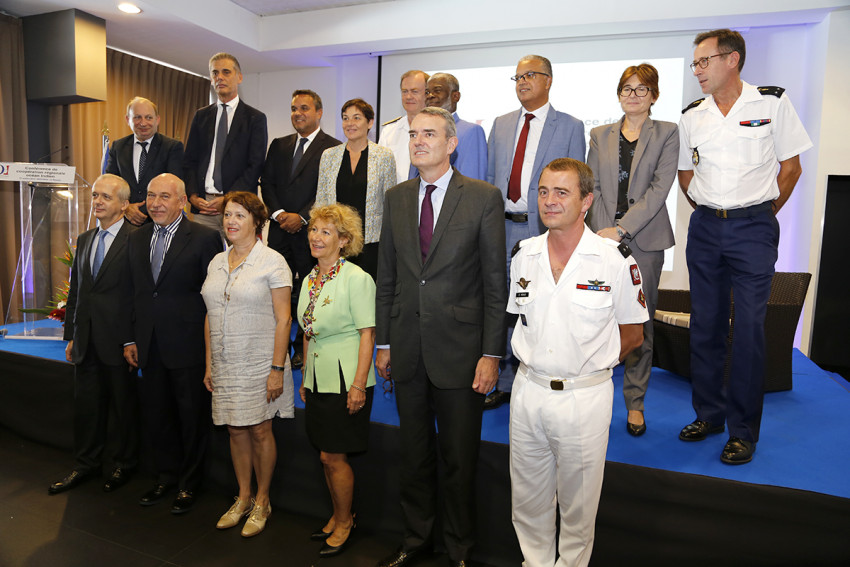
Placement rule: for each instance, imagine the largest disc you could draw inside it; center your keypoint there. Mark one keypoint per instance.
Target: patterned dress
(242, 328)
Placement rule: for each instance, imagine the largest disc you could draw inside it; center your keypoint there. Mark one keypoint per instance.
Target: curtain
(13, 147)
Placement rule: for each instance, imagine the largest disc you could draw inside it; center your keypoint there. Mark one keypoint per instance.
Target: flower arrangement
(56, 309)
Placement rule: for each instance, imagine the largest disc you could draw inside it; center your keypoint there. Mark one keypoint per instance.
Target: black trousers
(177, 417)
(97, 388)
(458, 416)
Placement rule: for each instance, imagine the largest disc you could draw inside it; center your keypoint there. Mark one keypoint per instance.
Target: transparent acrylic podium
(50, 222)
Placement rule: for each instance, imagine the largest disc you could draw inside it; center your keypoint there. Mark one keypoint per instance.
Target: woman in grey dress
(247, 293)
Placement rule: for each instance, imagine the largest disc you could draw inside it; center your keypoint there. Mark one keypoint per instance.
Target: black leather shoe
(738, 451)
(329, 550)
(699, 430)
(297, 360)
(402, 558)
(183, 503)
(496, 398)
(636, 430)
(74, 479)
(155, 495)
(320, 535)
(117, 479)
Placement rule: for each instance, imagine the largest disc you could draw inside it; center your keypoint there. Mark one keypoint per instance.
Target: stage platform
(664, 502)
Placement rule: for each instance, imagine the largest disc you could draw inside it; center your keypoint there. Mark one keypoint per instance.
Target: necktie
(299, 153)
(158, 253)
(514, 188)
(426, 222)
(99, 253)
(143, 159)
(220, 141)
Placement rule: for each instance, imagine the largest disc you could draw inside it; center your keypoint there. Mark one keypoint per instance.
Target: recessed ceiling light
(128, 8)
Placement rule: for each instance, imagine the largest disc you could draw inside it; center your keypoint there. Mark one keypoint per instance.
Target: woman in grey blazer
(634, 165)
(358, 173)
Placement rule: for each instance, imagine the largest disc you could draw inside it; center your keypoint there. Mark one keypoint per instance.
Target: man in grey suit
(143, 155)
(521, 143)
(440, 312)
(93, 320)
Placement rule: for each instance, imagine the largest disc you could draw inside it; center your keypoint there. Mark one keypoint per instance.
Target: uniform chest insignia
(327, 301)
(523, 283)
(635, 274)
(754, 123)
(594, 285)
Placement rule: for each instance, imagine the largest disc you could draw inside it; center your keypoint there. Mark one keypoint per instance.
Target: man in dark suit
(223, 155)
(289, 184)
(167, 261)
(521, 143)
(143, 155)
(440, 311)
(93, 321)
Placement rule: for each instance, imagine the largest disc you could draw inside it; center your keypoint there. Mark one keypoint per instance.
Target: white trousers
(558, 444)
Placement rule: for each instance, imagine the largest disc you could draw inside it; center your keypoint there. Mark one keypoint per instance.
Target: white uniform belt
(558, 383)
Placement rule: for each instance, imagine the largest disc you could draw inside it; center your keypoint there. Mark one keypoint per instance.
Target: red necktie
(514, 188)
(426, 222)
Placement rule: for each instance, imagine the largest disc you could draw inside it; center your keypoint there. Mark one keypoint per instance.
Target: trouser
(558, 444)
(724, 255)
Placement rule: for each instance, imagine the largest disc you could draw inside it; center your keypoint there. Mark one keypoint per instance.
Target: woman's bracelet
(279, 368)
(356, 387)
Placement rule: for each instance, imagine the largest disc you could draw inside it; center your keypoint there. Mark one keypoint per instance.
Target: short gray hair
(450, 79)
(547, 65)
(451, 129)
(413, 73)
(122, 188)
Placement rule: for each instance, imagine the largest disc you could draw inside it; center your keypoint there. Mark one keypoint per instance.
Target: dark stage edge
(646, 516)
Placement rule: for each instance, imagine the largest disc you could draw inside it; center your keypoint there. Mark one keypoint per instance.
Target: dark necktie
(514, 183)
(220, 141)
(426, 222)
(299, 153)
(99, 253)
(143, 159)
(158, 253)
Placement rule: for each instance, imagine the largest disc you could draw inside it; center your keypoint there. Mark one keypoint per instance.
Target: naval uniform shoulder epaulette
(775, 91)
(624, 250)
(517, 246)
(391, 121)
(693, 104)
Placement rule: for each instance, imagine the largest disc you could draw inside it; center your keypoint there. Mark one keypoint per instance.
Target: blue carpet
(805, 432)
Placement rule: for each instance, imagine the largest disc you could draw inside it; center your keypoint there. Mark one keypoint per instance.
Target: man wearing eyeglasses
(738, 164)
(520, 145)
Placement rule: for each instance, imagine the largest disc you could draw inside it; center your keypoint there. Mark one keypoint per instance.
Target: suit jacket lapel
(450, 201)
(646, 132)
(117, 244)
(545, 139)
(410, 204)
(125, 159)
(85, 259)
(178, 242)
(235, 126)
(312, 150)
(612, 171)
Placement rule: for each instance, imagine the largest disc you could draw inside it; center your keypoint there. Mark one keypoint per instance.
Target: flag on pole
(105, 157)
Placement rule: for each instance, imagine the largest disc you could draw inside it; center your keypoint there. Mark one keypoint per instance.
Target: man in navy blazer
(167, 261)
(223, 157)
(143, 155)
(289, 192)
(521, 143)
(93, 323)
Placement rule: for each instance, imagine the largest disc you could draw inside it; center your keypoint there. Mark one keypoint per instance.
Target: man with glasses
(738, 164)
(521, 143)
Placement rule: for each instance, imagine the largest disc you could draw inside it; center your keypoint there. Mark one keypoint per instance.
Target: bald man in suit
(440, 318)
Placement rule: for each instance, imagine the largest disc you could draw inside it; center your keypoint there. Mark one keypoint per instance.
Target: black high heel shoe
(328, 550)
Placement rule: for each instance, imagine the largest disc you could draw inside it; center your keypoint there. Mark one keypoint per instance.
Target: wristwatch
(620, 232)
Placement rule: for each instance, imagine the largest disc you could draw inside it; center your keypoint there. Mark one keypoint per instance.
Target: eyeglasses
(640, 90)
(529, 76)
(703, 61)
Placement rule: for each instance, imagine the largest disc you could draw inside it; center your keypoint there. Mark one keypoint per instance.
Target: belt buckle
(556, 384)
(721, 213)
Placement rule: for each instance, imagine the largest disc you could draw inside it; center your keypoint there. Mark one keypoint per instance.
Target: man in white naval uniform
(581, 310)
(395, 134)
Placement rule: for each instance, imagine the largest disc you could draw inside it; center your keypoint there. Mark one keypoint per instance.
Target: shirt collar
(113, 230)
(586, 245)
(234, 102)
(149, 140)
(171, 229)
(539, 114)
(442, 183)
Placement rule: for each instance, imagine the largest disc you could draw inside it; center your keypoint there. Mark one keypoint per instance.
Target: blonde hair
(347, 222)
